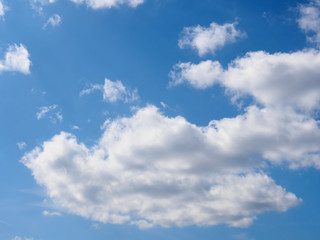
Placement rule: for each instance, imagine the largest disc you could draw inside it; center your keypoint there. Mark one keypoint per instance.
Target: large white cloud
(16, 59)
(208, 40)
(309, 20)
(149, 169)
(277, 80)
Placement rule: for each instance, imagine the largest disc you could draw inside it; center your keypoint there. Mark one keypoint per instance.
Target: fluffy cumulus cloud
(309, 20)
(113, 91)
(210, 39)
(16, 59)
(54, 21)
(201, 75)
(278, 80)
(149, 169)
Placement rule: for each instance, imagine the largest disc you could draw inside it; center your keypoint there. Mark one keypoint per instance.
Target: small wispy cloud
(2, 9)
(22, 238)
(52, 112)
(54, 21)
(21, 145)
(48, 213)
(113, 91)
(75, 127)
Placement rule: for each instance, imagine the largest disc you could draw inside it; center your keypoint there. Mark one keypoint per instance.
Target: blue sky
(159, 119)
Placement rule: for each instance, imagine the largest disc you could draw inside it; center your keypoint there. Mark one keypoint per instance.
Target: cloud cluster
(16, 59)
(309, 20)
(113, 91)
(209, 40)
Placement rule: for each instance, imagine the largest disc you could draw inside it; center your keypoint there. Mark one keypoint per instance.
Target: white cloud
(2, 9)
(113, 91)
(54, 21)
(309, 20)
(16, 59)
(92, 88)
(201, 75)
(21, 145)
(277, 80)
(48, 213)
(96, 4)
(20, 238)
(209, 40)
(153, 170)
(52, 112)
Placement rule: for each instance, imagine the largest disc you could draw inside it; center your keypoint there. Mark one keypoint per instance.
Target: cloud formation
(2, 9)
(50, 214)
(16, 59)
(309, 20)
(113, 91)
(20, 238)
(52, 112)
(96, 4)
(21, 145)
(149, 169)
(210, 39)
(278, 80)
(54, 21)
